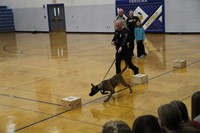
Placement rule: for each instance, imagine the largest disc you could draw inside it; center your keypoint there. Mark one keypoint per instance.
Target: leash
(109, 69)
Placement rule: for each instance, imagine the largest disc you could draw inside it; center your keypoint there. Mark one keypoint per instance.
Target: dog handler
(121, 40)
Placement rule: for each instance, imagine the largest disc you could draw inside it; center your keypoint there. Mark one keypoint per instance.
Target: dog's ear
(92, 85)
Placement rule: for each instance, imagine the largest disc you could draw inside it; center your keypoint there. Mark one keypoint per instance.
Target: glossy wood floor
(38, 70)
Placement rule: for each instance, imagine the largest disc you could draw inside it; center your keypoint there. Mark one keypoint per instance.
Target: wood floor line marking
(133, 108)
(174, 70)
(49, 94)
(186, 98)
(11, 96)
(42, 68)
(24, 109)
(56, 115)
(22, 52)
(30, 81)
(40, 121)
(47, 114)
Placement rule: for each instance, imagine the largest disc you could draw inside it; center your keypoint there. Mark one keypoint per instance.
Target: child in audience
(146, 124)
(187, 125)
(139, 37)
(183, 110)
(169, 118)
(195, 102)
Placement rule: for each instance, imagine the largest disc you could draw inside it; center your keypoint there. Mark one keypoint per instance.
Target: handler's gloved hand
(119, 50)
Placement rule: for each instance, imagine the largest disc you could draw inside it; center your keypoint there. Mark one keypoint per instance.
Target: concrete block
(140, 78)
(71, 102)
(179, 63)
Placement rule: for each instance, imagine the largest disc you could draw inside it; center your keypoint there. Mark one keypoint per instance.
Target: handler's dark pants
(127, 57)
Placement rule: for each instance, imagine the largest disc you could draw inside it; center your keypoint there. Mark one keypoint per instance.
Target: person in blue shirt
(139, 37)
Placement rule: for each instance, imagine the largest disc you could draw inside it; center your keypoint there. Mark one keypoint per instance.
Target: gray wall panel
(182, 15)
(2, 3)
(30, 19)
(95, 18)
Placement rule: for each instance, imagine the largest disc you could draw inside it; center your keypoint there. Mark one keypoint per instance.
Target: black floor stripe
(41, 121)
(53, 117)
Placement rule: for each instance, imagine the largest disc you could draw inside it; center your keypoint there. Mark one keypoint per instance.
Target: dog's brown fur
(109, 85)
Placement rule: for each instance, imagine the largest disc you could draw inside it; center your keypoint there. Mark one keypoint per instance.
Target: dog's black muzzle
(93, 91)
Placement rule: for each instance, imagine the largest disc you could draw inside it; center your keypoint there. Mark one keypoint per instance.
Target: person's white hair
(120, 10)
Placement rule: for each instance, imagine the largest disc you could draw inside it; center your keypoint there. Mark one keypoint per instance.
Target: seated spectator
(116, 127)
(169, 118)
(195, 103)
(146, 124)
(182, 108)
(196, 106)
(187, 125)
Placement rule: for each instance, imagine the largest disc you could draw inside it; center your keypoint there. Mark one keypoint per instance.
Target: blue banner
(150, 12)
(137, 1)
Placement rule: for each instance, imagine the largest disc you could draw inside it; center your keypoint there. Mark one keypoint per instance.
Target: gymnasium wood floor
(38, 70)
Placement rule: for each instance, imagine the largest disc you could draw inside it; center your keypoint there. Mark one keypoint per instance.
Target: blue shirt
(139, 33)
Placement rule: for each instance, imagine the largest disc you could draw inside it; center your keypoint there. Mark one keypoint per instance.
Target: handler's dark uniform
(121, 39)
(131, 27)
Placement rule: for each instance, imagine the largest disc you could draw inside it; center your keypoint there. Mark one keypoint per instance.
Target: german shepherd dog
(109, 85)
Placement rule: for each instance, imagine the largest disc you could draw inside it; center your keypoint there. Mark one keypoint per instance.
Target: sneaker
(141, 56)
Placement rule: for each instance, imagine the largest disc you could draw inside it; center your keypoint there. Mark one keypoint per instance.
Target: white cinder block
(140, 78)
(71, 102)
(179, 63)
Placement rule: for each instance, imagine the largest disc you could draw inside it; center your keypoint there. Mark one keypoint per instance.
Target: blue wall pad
(6, 20)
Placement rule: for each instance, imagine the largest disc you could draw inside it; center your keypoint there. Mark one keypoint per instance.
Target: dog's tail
(123, 69)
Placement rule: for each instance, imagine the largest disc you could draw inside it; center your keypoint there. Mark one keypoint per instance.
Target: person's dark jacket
(122, 39)
(131, 25)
